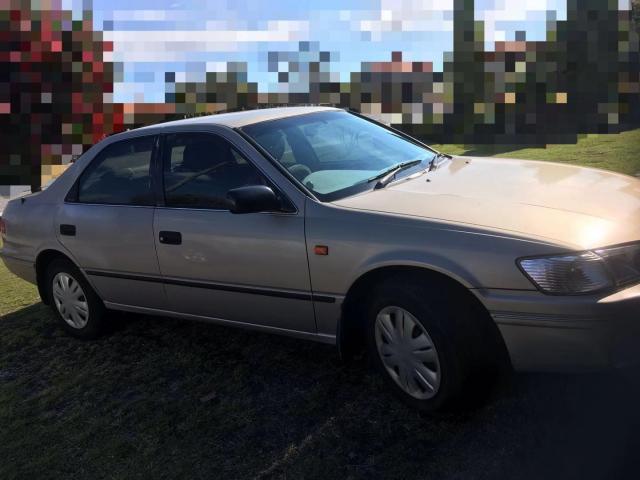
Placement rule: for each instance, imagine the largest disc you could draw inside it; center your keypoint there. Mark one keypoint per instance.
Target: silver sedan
(324, 225)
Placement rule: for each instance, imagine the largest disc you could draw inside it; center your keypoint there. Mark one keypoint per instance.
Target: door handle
(171, 238)
(68, 230)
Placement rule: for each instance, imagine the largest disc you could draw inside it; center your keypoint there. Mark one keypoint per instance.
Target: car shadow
(166, 398)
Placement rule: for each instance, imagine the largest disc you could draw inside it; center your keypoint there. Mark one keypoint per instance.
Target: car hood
(573, 206)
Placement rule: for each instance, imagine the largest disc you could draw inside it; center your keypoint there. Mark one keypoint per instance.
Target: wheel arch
(350, 331)
(43, 260)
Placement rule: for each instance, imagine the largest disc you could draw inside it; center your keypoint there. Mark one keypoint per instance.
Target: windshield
(334, 153)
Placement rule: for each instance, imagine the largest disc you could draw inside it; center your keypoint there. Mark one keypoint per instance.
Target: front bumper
(567, 333)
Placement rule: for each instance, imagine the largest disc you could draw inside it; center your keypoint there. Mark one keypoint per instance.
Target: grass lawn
(619, 153)
(161, 398)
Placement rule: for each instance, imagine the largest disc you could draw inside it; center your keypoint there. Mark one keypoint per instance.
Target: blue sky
(191, 37)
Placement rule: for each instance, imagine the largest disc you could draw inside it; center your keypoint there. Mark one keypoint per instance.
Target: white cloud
(175, 45)
(530, 14)
(408, 16)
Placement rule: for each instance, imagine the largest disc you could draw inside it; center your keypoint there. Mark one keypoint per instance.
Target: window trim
(161, 201)
(73, 195)
(157, 173)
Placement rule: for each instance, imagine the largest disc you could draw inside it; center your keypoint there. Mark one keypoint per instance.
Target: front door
(107, 225)
(248, 268)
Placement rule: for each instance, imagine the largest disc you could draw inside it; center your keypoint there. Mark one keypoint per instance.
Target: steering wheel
(299, 171)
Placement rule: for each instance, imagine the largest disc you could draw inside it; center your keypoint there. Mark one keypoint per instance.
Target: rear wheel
(429, 343)
(76, 306)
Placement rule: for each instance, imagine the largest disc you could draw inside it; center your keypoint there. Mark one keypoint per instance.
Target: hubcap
(407, 352)
(70, 300)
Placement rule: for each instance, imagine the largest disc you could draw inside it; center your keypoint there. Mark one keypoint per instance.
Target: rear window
(119, 175)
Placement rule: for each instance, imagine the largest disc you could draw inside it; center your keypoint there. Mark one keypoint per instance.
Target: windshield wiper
(432, 163)
(385, 177)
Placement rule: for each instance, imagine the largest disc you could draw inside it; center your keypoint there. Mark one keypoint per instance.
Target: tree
(53, 85)
(468, 71)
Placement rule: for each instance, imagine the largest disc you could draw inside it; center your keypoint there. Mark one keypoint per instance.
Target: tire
(79, 310)
(438, 354)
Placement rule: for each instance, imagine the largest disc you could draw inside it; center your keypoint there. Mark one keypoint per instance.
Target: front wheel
(428, 343)
(78, 309)
(408, 353)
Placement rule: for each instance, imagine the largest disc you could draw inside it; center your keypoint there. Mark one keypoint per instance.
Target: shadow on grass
(166, 398)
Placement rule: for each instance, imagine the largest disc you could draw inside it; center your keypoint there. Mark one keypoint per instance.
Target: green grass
(619, 153)
(14, 293)
(161, 398)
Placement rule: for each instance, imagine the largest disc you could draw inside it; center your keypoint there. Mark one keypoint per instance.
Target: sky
(191, 37)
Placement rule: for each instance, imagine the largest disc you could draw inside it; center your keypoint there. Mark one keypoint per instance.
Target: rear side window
(119, 175)
(200, 168)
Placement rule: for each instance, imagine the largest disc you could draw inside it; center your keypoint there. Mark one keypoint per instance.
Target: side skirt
(316, 337)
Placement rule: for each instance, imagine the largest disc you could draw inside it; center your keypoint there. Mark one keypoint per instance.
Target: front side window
(119, 175)
(200, 168)
(334, 153)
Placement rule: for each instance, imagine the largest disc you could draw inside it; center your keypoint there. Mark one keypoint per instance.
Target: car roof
(245, 117)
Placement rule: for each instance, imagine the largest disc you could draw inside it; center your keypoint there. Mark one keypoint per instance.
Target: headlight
(587, 272)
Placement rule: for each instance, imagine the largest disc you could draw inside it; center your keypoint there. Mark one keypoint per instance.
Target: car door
(248, 268)
(106, 222)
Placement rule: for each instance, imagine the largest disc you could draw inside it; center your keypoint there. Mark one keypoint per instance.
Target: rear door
(106, 222)
(248, 268)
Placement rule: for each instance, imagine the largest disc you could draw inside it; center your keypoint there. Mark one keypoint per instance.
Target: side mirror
(253, 199)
